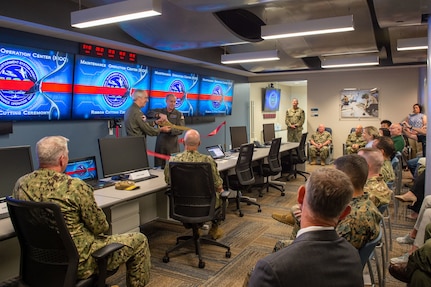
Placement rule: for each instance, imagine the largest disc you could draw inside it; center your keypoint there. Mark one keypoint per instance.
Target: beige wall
(256, 114)
(398, 91)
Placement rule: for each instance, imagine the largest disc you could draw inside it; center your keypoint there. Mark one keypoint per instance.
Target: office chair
(48, 254)
(243, 177)
(367, 253)
(298, 156)
(273, 167)
(192, 202)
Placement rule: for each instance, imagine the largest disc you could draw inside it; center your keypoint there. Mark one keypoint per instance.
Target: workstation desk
(126, 210)
(152, 189)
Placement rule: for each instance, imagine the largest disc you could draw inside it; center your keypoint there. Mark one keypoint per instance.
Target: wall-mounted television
(102, 87)
(271, 100)
(215, 97)
(35, 84)
(185, 86)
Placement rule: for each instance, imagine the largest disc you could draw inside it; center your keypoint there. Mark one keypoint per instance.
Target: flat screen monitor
(271, 100)
(185, 86)
(16, 162)
(268, 132)
(35, 84)
(102, 87)
(238, 136)
(122, 156)
(215, 97)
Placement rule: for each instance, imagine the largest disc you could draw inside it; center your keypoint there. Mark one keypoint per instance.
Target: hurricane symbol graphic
(217, 91)
(177, 86)
(115, 80)
(273, 100)
(81, 170)
(19, 71)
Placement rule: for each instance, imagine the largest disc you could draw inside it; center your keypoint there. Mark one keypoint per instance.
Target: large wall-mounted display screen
(35, 84)
(215, 97)
(102, 87)
(185, 86)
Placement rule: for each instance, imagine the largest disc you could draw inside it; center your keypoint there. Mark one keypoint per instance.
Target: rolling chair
(273, 167)
(243, 177)
(193, 202)
(48, 254)
(298, 156)
(329, 159)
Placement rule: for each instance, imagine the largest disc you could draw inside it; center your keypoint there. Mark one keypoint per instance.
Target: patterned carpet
(250, 238)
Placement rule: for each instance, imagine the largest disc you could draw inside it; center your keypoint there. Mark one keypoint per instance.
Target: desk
(109, 197)
(125, 210)
(258, 154)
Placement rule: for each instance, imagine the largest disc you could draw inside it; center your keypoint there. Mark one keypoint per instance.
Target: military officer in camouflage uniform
(320, 145)
(355, 141)
(192, 141)
(363, 223)
(136, 122)
(84, 219)
(377, 189)
(167, 142)
(386, 146)
(295, 118)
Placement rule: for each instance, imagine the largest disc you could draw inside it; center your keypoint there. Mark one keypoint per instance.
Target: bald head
(321, 128)
(395, 130)
(359, 130)
(192, 139)
(374, 158)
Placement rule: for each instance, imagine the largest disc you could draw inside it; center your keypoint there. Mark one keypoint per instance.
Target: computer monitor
(16, 162)
(122, 156)
(238, 136)
(268, 132)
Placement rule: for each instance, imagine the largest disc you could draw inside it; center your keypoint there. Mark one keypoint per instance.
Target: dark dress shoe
(399, 271)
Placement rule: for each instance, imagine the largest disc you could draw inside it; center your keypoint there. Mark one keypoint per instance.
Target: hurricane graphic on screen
(115, 80)
(185, 87)
(35, 84)
(16, 70)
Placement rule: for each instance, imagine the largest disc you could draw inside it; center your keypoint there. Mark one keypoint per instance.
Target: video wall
(37, 84)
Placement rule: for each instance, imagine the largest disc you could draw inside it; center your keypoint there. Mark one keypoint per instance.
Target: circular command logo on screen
(178, 86)
(273, 100)
(19, 71)
(115, 80)
(81, 170)
(217, 91)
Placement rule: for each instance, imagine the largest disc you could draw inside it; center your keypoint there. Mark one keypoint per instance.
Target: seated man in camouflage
(386, 146)
(84, 219)
(375, 186)
(355, 141)
(192, 140)
(319, 145)
(363, 223)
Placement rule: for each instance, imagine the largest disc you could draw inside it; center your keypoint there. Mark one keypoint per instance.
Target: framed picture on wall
(359, 103)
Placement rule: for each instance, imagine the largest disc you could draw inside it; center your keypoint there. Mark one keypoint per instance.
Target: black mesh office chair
(273, 167)
(192, 202)
(243, 178)
(298, 156)
(48, 254)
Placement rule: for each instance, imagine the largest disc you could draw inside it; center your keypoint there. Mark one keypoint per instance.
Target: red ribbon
(158, 155)
(214, 132)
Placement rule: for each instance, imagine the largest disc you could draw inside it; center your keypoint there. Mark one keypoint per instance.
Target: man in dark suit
(317, 256)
